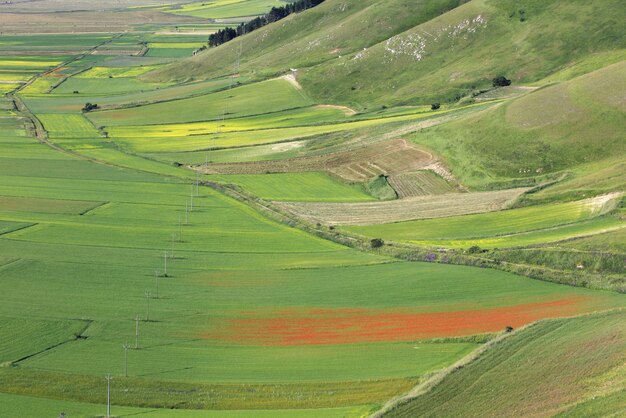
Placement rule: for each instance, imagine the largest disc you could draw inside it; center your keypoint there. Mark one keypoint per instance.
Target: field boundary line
(21, 228)
(10, 263)
(97, 206)
(77, 336)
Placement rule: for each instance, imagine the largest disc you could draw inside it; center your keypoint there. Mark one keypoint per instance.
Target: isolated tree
(89, 107)
(474, 249)
(435, 106)
(501, 81)
(377, 243)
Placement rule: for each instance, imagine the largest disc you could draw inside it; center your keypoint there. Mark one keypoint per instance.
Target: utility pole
(156, 278)
(172, 253)
(186, 213)
(126, 347)
(180, 229)
(108, 377)
(137, 332)
(148, 296)
(165, 264)
(191, 205)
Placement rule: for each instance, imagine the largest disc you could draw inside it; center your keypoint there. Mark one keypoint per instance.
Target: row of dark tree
(276, 14)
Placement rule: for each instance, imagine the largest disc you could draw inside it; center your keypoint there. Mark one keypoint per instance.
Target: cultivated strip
(424, 207)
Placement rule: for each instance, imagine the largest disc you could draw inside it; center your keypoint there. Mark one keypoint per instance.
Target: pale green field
(105, 72)
(228, 9)
(67, 126)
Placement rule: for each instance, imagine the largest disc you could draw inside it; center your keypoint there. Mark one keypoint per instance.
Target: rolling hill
(376, 53)
(556, 128)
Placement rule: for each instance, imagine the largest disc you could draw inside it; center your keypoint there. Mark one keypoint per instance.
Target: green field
(229, 9)
(67, 126)
(269, 96)
(103, 86)
(41, 85)
(301, 187)
(73, 103)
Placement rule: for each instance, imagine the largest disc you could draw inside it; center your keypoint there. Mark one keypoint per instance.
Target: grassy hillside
(381, 52)
(324, 33)
(461, 51)
(574, 367)
(549, 130)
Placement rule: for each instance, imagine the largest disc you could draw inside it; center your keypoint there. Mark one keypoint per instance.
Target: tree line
(275, 14)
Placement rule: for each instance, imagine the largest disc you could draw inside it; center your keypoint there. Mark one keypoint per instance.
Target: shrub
(89, 107)
(501, 81)
(377, 243)
(474, 249)
(435, 106)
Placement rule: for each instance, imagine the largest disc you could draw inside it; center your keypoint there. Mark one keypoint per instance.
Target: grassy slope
(462, 50)
(543, 370)
(422, 61)
(552, 129)
(321, 34)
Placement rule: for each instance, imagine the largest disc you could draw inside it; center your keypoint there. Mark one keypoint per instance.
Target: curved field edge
(546, 368)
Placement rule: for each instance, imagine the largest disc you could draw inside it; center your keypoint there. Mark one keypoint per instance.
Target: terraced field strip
(355, 165)
(25, 204)
(419, 183)
(67, 126)
(33, 407)
(41, 85)
(206, 136)
(441, 206)
(73, 103)
(530, 225)
(113, 72)
(224, 9)
(304, 187)
(104, 86)
(254, 99)
(556, 234)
